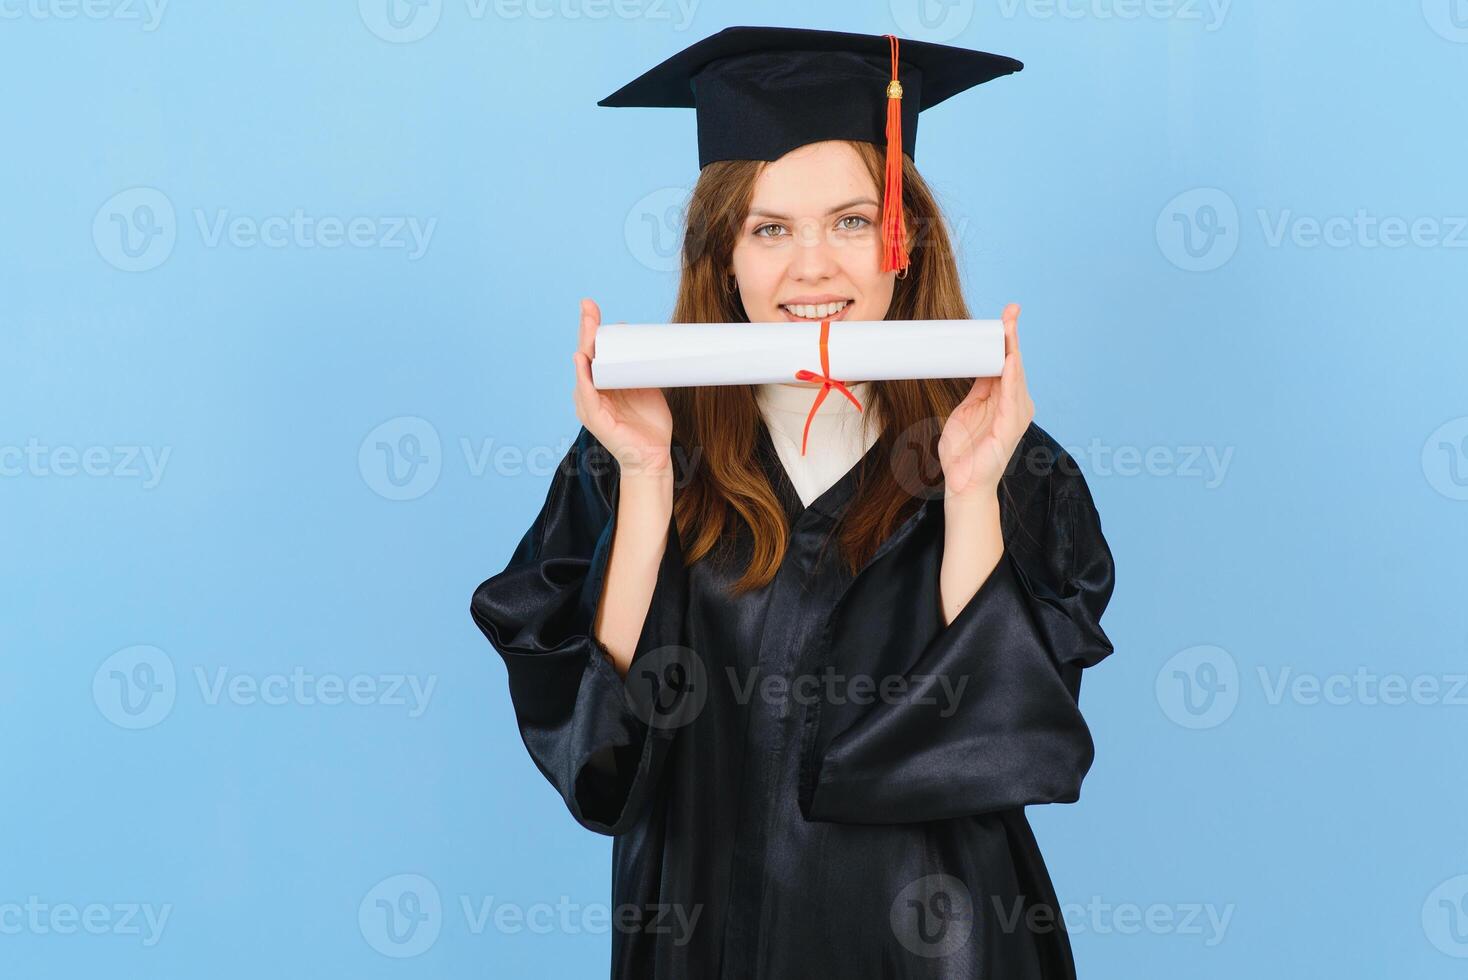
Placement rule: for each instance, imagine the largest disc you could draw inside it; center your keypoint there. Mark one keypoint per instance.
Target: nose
(811, 257)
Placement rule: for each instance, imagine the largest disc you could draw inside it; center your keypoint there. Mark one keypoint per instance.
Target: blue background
(1145, 188)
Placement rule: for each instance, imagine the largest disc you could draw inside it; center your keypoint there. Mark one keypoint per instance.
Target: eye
(860, 223)
(761, 231)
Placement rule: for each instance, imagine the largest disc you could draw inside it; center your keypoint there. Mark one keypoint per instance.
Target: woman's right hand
(634, 424)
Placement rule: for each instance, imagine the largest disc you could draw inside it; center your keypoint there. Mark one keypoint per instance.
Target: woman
(810, 693)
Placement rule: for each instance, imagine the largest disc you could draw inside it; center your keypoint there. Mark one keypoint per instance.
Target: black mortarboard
(760, 92)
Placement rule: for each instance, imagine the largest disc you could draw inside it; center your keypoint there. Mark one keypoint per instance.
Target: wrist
(647, 468)
(975, 498)
(648, 492)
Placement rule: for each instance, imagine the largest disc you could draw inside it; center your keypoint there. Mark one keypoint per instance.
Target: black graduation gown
(824, 828)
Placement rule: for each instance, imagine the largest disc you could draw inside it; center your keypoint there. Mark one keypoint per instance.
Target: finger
(596, 405)
(583, 373)
(1016, 408)
(1011, 387)
(578, 390)
(981, 390)
(1010, 320)
(1011, 366)
(577, 397)
(1014, 386)
(590, 320)
(586, 393)
(1021, 383)
(1011, 357)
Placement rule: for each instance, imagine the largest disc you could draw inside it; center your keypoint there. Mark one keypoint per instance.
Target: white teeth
(817, 311)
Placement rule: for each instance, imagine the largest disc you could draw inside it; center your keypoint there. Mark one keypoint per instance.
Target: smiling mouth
(816, 311)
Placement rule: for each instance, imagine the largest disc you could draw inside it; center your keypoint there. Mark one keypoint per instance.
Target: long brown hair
(718, 425)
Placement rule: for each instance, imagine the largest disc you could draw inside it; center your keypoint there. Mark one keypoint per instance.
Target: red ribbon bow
(827, 383)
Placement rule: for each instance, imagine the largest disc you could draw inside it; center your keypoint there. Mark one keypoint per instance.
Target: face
(810, 248)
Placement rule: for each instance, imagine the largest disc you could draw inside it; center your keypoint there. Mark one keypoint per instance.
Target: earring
(905, 270)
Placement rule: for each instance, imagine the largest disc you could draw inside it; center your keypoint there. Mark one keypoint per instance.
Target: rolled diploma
(676, 355)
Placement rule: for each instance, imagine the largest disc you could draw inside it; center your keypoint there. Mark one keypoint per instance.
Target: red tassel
(827, 383)
(894, 230)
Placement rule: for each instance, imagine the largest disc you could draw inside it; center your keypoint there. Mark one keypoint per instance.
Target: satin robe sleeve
(1015, 735)
(584, 732)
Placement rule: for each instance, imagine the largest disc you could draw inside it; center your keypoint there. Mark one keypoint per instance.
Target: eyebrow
(761, 213)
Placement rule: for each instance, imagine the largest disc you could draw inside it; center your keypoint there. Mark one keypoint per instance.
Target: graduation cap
(760, 92)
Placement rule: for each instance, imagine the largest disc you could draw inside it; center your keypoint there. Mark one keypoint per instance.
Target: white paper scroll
(675, 355)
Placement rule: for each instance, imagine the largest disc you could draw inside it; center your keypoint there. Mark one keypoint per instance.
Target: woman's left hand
(982, 433)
